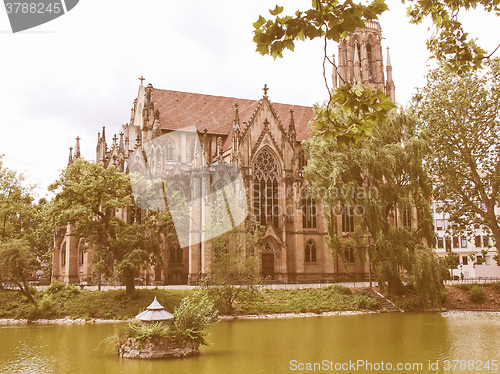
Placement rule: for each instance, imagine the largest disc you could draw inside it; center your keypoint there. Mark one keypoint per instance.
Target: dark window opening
(309, 213)
(265, 189)
(310, 252)
(477, 241)
(448, 243)
(175, 254)
(347, 218)
(406, 218)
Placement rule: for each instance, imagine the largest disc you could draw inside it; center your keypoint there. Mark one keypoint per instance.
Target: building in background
(476, 255)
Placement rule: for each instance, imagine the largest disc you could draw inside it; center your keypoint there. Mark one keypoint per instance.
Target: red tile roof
(179, 110)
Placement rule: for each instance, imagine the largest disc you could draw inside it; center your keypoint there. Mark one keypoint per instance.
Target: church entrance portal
(268, 265)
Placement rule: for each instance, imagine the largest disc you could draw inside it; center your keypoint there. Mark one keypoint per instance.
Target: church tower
(361, 60)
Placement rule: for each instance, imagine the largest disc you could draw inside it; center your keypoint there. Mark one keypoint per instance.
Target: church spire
(156, 124)
(390, 87)
(334, 73)
(265, 89)
(122, 146)
(236, 129)
(102, 147)
(139, 105)
(291, 129)
(77, 148)
(70, 159)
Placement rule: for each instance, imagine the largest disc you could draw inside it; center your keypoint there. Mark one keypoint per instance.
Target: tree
(15, 204)
(378, 180)
(16, 263)
(234, 261)
(460, 117)
(451, 261)
(22, 219)
(89, 197)
(450, 44)
(40, 234)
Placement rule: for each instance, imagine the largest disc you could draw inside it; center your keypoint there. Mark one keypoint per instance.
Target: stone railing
(372, 25)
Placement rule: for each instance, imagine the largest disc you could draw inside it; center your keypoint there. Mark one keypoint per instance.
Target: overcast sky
(70, 77)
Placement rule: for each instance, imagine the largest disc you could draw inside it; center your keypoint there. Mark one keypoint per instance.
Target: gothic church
(263, 139)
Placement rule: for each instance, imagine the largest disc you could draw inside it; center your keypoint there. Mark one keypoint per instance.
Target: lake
(452, 342)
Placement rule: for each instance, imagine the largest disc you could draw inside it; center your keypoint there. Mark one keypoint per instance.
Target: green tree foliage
(460, 118)
(16, 263)
(362, 110)
(234, 261)
(21, 218)
(195, 315)
(450, 44)
(16, 209)
(41, 234)
(380, 178)
(88, 197)
(450, 261)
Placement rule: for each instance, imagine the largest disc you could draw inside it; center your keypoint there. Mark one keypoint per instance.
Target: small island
(159, 334)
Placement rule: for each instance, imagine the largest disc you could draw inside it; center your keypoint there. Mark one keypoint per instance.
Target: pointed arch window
(265, 188)
(350, 255)
(309, 213)
(63, 257)
(347, 218)
(191, 152)
(175, 254)
(369, 57)
(406, 217)
(302, 160)
(169, 150)
(310, 252)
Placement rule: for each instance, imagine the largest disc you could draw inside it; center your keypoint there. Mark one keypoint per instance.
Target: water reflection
(268, 346)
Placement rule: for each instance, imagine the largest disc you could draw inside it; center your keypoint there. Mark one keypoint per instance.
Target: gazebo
(155, 313)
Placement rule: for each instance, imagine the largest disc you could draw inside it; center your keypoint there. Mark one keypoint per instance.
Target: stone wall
(158, 348)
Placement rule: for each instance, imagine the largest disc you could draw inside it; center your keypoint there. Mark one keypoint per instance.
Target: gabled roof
(179, 110)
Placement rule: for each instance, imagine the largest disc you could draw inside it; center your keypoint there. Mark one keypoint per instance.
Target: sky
(79, 72)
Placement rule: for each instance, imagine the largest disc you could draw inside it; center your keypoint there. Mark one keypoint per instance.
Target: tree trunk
(496, 236)
(128, 277)
(26, 291)
(394, 285)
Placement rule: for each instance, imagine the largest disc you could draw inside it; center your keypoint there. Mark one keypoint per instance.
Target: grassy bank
(461, 296)
(59, 301)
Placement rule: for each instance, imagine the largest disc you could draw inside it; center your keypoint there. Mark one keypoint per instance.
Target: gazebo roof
(155, 305)
(154, 312)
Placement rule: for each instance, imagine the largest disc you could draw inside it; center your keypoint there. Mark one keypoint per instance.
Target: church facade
(263, 139)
